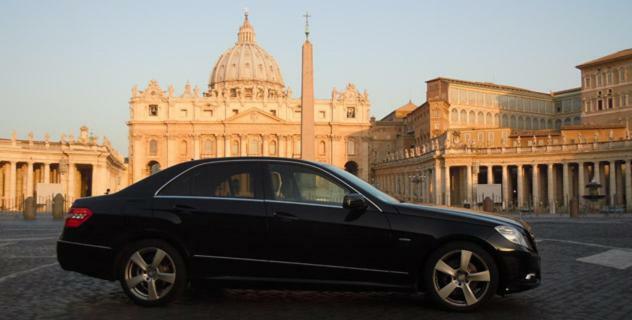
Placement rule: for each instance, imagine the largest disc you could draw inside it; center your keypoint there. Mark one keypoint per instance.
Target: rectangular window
(609, 103)
(153, 110)
(273, 112)
(599, 104)
(322, 114)
(351, 112)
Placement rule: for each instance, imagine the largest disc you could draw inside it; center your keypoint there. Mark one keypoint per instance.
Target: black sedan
(290, 223)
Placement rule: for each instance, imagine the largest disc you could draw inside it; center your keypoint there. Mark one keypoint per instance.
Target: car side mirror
(354, 201)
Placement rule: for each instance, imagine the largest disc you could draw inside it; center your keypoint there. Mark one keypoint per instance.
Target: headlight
(513, 235)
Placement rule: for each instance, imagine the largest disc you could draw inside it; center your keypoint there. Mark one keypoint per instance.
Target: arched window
(542, 124)
(322, 148)
(528, 124)
(488, 119)
(471, 118)
(254, 146)
(234, 148)
(463, 117)
(481, 119)
(182, 151)
(351, 150)
(208, 147)
(272, 148)
(550, 124)
(496, 120)
(505, 123)
(558, 124)
(153, 147)
(352, 167)
(513, 122)
(454, 116)
(153, 167)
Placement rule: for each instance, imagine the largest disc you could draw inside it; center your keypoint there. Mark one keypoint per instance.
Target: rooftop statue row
(244, 91)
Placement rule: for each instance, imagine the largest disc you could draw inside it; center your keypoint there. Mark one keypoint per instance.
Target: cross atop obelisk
(307, 98)
(306, 15)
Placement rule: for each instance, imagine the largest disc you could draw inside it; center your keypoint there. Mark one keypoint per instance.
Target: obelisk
(307, 98)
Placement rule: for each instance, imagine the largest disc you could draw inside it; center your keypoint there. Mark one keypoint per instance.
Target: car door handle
(183, 208)
(284, 216)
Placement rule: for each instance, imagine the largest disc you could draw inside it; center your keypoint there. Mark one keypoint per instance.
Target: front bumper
(93, 260)
(519, 270)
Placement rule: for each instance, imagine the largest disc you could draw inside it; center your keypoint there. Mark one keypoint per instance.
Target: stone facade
(73, 167)
(541, 149)
(246, 111)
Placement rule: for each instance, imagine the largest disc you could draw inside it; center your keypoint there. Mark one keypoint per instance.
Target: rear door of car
(312, 237)
(218, 208)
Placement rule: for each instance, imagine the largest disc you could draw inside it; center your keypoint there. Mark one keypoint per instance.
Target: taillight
(77, 216)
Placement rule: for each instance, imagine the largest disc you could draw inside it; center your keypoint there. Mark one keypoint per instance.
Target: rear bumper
(93, 260)
(520, 271)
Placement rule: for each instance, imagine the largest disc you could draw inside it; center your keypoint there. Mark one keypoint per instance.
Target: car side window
(298, 183)
(223, 180)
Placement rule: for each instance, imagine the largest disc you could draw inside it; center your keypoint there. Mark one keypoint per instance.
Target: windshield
(363, 184)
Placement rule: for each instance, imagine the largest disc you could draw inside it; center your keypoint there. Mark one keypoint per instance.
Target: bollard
(58, 207)
(29, 208)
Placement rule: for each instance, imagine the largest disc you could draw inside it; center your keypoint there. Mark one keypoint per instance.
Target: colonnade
(529, 186)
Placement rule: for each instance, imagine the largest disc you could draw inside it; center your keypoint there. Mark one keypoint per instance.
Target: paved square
(615, 258)
(32, 285)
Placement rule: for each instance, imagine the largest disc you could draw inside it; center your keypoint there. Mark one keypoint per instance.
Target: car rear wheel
(461, 276)
(152, 273)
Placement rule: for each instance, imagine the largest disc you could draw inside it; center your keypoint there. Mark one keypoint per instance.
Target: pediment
(254, 116)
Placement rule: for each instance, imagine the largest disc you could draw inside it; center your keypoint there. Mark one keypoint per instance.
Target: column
(535, 185)
(447, 186)
(46, 172)
(220, 146)
(468, 186)
(227, 146)
(436, 175)
(243, 145)
(29, 180)
(505, 186)
(70, 192)
(196, 147)
(281, 146)
(490, 174)
(12, 194)
(612, 181)
(551, 186)
(264, 143)
(596, 171)
(520, 186)
(565, 185)
(581, 184)
(628, 186)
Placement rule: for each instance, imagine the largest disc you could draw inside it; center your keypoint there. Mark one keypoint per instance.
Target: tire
(460, 276)
(152, 273)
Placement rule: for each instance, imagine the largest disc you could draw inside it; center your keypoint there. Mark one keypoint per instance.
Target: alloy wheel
(150, 273)
(461, 278)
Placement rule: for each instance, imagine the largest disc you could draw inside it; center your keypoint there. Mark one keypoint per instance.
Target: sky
(64, 64)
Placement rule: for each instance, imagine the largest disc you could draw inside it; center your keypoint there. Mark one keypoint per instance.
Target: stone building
(72, 167)
(247, 110)
(527, 150)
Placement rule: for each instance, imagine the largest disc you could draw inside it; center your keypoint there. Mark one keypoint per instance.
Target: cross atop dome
(246, 32)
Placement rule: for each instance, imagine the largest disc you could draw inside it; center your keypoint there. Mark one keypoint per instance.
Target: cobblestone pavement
(32, 285)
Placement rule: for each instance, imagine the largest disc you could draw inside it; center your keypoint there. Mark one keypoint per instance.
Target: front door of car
(313, 237)
(219, 212)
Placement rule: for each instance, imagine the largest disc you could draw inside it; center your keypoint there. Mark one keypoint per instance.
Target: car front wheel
(461, 276)
(152, 273)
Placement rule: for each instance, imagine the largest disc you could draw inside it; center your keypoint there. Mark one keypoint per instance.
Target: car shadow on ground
(208, 303)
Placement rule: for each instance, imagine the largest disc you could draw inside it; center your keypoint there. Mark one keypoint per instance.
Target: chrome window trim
(84, 244)
(267, 160)
(306, 203)
(209, 198)
(299, 264)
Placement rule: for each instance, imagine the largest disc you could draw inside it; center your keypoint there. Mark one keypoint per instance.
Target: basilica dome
(246, 64)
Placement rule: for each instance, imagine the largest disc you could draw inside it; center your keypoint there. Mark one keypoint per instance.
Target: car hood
(465, 215)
